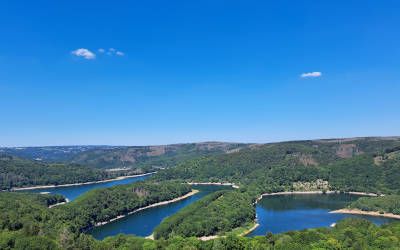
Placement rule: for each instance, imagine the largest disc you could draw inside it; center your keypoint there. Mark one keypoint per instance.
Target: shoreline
(361, 212)
(61, 203)
(161, 203)
(80, 183)
(211, 237)
(314, 192)
(233, 185)
(150, 237)
(254, 227)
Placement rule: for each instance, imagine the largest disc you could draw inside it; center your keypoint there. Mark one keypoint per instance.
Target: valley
(275, 187)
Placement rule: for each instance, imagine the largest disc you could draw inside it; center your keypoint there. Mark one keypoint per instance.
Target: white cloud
(311, 74)
(85, 53)
(89, 55)
(112, 52)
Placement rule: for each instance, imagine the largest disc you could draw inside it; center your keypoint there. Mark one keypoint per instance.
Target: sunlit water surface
(284, 213)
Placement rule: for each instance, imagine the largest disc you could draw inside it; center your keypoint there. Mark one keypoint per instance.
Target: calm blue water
(73, 192)
(275, 214)
(284, 213)
(144, 222)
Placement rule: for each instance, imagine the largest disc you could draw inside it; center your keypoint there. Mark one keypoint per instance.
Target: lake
(276, 214)
(72, 192)
(143, 222)
(282, 213)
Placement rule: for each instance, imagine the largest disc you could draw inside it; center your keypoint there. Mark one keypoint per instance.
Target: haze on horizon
(157, 73)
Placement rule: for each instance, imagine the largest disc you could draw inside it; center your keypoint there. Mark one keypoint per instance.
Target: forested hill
(49, 153)
(358, 164)
(17, 172)
(152, 157)
(27, 223)
(144, 157)
(382, 204)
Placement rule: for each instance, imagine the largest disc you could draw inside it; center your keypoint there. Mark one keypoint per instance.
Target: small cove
(282, 213)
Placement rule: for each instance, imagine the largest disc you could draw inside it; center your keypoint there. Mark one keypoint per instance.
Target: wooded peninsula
(370, 165)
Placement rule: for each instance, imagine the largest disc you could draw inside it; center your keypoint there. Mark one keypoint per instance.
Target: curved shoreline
(233, 185)
(248, 231)
(211, 237)
(361, 212)
(314, 192)
(60, 203)
(80, 183)
(162, 203)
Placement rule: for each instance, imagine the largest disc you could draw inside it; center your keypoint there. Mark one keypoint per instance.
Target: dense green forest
(33, 226)
(144, 158)
(103, 204)
(54, 154)
(20, 210)
(384, 204)
(216, 213)
(26, 219)
(151, 157)
(17, 172)
(361, 164)
(357, 234)
(347, 166)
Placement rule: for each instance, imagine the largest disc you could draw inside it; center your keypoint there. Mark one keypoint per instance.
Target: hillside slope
(17, 172)
(341, 164)
(151, 156)
(143, 157)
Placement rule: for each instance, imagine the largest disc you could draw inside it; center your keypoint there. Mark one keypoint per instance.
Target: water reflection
(144, 222)
(284, 213)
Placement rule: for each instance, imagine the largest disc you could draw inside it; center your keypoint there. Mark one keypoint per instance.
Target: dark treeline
(360, 173)
(26, 222)
(347, 234)
(383, 204)
(349, 166)
(101, 205)
(370, 165)
(20, 210)
(31, 227)
(216, 213)
(17, 172)
(150, 157)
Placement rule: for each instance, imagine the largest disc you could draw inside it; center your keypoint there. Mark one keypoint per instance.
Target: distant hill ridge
(155, 156)
(161, 156)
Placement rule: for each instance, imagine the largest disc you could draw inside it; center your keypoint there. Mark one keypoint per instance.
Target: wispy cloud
(113, 52)
(311, 74)
(85, 53)
(89, 55)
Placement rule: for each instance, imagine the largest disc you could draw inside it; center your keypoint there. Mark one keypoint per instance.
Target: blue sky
(191, 71)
